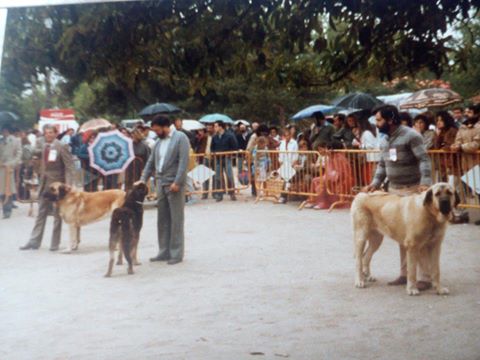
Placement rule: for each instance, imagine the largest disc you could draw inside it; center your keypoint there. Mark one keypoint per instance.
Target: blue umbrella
(308, 112)
(111, 152)
(357, 100)
(159, 108)
(211, 118)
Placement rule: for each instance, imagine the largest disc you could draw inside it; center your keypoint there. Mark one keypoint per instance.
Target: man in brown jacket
(56, 164)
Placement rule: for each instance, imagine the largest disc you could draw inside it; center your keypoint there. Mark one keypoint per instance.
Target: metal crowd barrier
(219, 173)
(299, 175)
(284, 174)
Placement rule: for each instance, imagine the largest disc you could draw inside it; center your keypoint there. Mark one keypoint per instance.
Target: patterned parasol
(111, 152)
(95, 124)
(428, 98)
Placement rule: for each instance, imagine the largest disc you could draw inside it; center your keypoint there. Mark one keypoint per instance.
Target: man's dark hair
(388, 112)
(273, 128)
(457, 108)
(318, 115)
(475, 108)
(262, 129)
(422, 117)
(220, 123)
(161, 120)
(405, 116)
(342, 117)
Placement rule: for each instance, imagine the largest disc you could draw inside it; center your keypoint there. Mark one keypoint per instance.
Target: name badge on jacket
(52, 155)
(393, 154)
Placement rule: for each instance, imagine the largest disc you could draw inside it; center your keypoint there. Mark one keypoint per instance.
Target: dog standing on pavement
(125, 227)
(79, 208)
(417, 222)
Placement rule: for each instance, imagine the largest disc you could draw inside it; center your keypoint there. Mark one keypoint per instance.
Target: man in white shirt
(288, 157)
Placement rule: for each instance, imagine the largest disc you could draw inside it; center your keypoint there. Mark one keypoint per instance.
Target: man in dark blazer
(56, 164)
(168, 162)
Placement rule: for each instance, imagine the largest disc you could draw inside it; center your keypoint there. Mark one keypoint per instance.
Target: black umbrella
(159, 108)
(357, 100)
(7, 117)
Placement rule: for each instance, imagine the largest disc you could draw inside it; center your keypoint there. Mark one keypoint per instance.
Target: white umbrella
(192, 125)
(244, 122)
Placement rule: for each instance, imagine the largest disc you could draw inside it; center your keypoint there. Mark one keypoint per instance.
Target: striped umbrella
(429, 98)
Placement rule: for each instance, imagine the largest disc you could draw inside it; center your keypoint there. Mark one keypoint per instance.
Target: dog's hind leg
(412, 262)
(120, 255)
(134, 251)
(112, 246)
(360, 239)
(374, 241)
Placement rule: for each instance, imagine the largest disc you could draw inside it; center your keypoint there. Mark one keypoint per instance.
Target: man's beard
(161, 135)
(384, 129)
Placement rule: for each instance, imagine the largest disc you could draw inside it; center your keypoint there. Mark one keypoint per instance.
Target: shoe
(204, 196)
(401, 280)
(160, 258)
(174, 261)
(477, 222)
(424, 285)
(218, 199)
(29, 247)
(14, 206)
(281, 201)
(309, 206)
(53, 248)
(233, 197)
(7, 216)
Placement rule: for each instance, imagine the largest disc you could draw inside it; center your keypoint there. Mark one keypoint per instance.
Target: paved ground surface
(258, 282)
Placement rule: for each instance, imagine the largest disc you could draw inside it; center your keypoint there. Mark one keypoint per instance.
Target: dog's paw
(137, 263)
(107, 275)
(130, 272)
(443, 291)
(66, 251)
(413, 291)
(370, 278)
(360, 284)
(119, 263)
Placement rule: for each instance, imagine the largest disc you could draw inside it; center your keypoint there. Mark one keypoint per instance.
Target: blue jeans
(224, 165)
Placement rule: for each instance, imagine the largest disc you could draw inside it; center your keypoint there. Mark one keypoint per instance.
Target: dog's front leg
(73, 233)
(412, 271)
(435, 269)
(135, 248)
(120, 255)
(76, 238)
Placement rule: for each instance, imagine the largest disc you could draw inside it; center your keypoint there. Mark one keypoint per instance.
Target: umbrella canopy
(211, 118)
(244, 122)
(159, 108)
(429, 98)
(111, 152)
(396, 99)
(309, 111)
(94, 124)
(192, 125)
(357, 100)
(7, 116)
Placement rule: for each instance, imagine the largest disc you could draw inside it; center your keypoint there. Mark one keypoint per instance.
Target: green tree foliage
(227, 55)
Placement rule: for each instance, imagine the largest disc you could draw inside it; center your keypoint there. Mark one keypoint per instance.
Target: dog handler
(405, 162)
(169, 163)
(56, 164)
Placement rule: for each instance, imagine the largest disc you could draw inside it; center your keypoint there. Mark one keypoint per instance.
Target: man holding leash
(405, 162)
(168, 162)
(56, 164)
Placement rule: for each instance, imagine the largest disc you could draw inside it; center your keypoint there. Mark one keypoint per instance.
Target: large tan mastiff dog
(79, 208)
(417, 222)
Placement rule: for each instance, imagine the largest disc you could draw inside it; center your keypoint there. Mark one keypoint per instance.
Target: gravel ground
(259, 281)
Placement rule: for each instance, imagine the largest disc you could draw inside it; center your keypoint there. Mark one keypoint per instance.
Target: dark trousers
(170, 222)
(45, 207)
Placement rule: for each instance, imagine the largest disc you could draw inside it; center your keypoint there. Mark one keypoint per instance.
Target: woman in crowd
(336, 176)
(365, 140)
(421, 123)
(446, 131)
(343, 133)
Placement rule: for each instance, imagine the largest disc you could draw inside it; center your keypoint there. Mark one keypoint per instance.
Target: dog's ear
(63, 190)
(428, 198)
(457, 199)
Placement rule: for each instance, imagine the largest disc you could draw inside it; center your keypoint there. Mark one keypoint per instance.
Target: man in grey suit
(56, 164)
(169, 163)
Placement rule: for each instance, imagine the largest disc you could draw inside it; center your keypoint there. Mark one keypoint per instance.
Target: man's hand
(174, 188)
(369, 188)
(422, 188)
(455, 147)
(138, 182)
